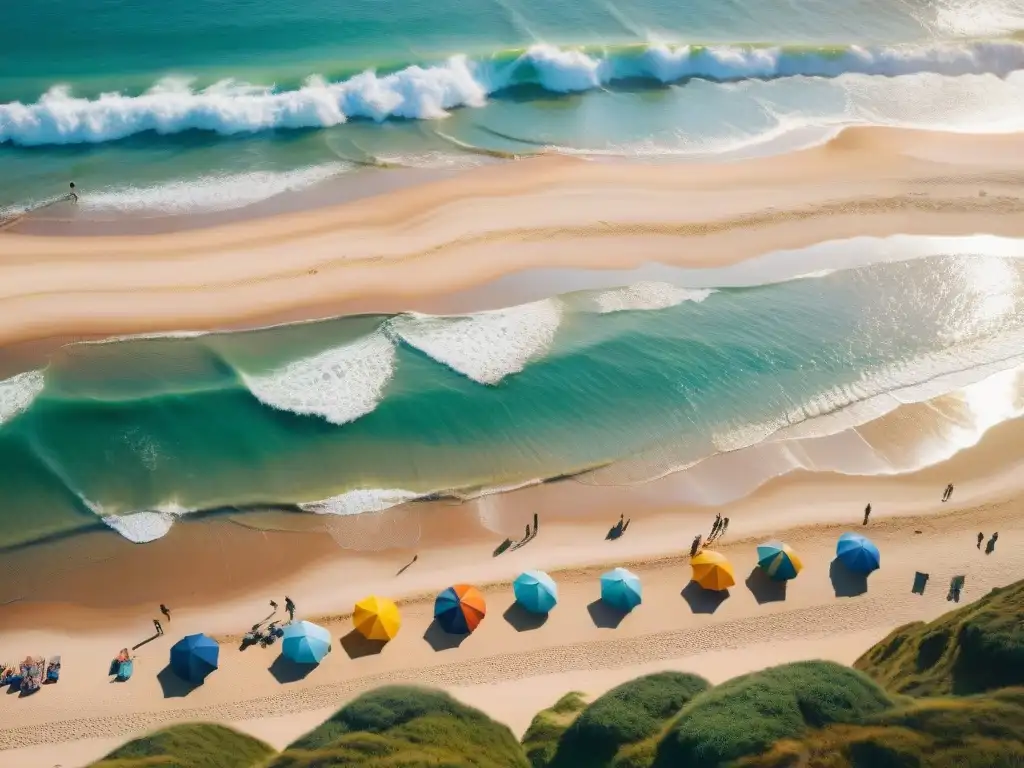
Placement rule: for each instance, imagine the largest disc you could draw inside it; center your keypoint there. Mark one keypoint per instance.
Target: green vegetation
(405, 727)
(985, 731)
(746, 715)
(541, 739)
(192, 745)
(624, 717)
(977, 648)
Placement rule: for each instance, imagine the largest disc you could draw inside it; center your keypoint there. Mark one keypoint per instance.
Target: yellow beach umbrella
(377, 618)
(712, 571)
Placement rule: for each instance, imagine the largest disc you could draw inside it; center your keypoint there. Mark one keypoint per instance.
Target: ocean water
(219, 104)
(610, 384)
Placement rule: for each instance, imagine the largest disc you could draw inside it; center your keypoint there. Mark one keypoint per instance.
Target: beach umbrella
(858, 553)
(377, 618)
(459, 609)
(305, 642)
(778, 560)
(194, 657)
(621, 589)
(712, 571)
(535, 591)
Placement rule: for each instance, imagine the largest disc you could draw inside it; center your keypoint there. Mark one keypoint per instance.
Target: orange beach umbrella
(712, 571)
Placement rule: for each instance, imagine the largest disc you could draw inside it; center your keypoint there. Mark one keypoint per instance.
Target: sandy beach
(88, 595)
(512, 666)
(393, 251)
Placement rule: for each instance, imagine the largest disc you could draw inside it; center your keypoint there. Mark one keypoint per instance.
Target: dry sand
(385, 251)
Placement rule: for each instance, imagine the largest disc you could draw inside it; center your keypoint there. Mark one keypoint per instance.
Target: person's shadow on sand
(287, 671)
(357, 646)
(440, 640)
(523, 620)
(605, 616)
(991, 546)
(764, 588)
(173, 686)
(846, 583)
(703, 600)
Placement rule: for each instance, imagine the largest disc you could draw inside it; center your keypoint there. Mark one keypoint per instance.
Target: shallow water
(365, 412)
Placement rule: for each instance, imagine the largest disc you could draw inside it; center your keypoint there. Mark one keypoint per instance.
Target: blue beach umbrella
(858, 553)
(621, 588)
(535, 591)
(778, 560)
(194, 657)
(305, 642)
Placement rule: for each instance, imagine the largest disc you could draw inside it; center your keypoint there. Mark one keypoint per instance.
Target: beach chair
(53, 670)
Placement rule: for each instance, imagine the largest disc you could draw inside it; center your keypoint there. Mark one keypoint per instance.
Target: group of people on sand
(718, 529)
(288, 606)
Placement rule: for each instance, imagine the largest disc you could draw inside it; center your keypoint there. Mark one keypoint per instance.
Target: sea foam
(143, 526)
(360, 500)
(485, 346)
(648, 295)
(18, 392)
(429, 92)
(339, 385)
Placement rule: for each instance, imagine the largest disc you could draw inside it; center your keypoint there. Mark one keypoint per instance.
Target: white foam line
(18, 392)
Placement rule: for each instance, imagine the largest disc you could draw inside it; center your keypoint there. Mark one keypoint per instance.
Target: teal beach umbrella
(535, 591)
(858, 553)
(621, 588)
(778, 560)
(305, 642)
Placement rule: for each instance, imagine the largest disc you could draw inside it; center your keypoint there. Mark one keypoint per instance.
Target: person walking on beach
(725, 527)
(159, 629)
(867, 513)
(981, 538)
(273, 605)
(947, 493)
(536, 523)
(165, 611)
(290, 607)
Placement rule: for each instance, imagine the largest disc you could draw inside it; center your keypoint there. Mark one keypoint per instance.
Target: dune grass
(983, 731)
(399, 726)
(976, 648)
(622, 717)
(190, 745)
(748, 714)
(540, 742)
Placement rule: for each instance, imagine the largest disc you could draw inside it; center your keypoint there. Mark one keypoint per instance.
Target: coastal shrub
(748, 714)
(190, 745)
(541, 739)
(984, 731)
(624, 716)
(972, 649)
(398, 726)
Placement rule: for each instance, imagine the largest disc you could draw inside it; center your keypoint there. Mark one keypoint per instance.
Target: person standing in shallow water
(73, 195)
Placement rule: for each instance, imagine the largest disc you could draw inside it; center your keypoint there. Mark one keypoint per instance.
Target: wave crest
(428, 92)
(18, 392)
(339, 385)
(648, 295)
(485, 346)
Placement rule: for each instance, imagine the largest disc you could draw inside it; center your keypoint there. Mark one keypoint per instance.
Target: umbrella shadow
(440, 640)
(605, 616)
(174, 687)
(703, 600)
(523, 620)
(764, 588)
(357, 646)
(846, 583)
(287, 671)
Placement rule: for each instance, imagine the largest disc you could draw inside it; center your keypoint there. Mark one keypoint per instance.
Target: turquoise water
(363, 412)
(216, 104)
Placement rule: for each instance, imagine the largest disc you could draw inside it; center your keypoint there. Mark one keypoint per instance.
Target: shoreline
(437, 238)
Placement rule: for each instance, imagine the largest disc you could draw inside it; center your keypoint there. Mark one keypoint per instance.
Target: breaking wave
(648, 295)
(18, 392)
(427, 92)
